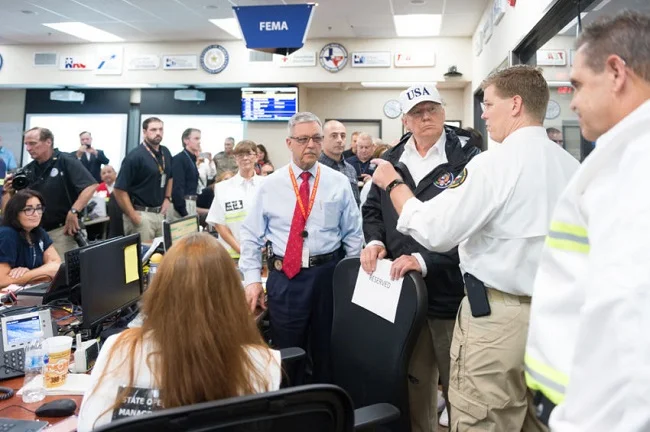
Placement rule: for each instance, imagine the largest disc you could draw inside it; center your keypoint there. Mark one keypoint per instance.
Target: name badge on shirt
(163, 180)
(137, 401)
(305, 255)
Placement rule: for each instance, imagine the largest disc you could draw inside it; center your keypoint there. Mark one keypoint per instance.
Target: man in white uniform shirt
(498, 211)
(232, 198)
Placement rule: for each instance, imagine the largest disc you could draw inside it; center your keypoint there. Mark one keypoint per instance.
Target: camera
(22, 178)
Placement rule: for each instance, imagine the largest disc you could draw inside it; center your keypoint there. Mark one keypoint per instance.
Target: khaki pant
(190, 206)
(150, 226)
(429, 361)
(487, 390)
(62, 243)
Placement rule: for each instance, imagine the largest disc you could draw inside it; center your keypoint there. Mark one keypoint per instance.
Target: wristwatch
(74, 211)
(392, 185)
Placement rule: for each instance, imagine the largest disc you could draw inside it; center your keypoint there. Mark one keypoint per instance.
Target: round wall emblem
(214, 59)
(333, 57)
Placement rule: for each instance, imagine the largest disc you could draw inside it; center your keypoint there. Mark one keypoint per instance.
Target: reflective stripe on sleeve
(568, 237)
(545, 379)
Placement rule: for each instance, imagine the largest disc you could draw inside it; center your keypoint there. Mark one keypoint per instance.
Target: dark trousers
(300, 312)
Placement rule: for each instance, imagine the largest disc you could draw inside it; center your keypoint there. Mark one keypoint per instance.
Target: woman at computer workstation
(198, 341)
(26, 251)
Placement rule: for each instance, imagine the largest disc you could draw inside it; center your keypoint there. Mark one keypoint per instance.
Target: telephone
(17, 330)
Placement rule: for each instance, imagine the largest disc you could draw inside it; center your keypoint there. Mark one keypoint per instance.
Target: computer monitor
(174, 231)
(111, 278)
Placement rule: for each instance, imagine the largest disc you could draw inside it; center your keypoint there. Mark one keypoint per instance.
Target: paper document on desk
(377, 292)
(75, 384)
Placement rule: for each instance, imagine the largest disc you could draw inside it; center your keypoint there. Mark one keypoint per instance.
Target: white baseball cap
(418, 93)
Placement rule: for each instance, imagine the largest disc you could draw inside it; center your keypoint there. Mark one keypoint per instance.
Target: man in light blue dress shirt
(7, 156)
(300, 303)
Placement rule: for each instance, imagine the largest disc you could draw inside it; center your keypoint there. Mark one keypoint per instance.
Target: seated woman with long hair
(26, 251)
(198, 341)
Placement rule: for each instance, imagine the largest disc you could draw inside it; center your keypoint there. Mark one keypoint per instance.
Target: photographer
(91, 158)
(64, 183)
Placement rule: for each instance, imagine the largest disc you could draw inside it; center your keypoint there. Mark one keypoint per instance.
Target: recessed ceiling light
(229, 25)
(84, 31)
(211, 7)
(28, 12)
(418, 2)
(417, 25)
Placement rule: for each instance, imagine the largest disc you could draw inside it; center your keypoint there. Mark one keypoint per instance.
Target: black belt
(190, 197)
(147, 209)
(314, 261)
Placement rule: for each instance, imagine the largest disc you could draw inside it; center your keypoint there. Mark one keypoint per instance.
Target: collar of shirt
(297, 170)
(191, 155)
(524, 134)
(239, 180)
(331, 162)
(156, 152)
(611, 136)
(438, 147)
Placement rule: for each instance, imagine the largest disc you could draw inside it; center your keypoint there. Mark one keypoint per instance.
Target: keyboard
(12, 425)
(13, 365)
(72, 266)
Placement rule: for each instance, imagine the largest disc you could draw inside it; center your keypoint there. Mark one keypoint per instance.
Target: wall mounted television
(268, 103)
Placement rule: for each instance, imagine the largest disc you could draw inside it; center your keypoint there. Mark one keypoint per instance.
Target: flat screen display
(268, 103)
(23, 329)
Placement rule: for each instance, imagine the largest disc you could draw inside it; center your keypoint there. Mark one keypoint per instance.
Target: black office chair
(313, 408)
(293, 363)
(370, 356)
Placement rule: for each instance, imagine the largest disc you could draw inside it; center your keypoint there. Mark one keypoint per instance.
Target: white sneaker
(444, 418)
(441, 402)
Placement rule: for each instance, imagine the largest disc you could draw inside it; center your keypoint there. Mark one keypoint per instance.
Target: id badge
(163, 180)
(305, 255)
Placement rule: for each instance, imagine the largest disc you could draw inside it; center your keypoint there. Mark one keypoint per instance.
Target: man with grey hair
(225, 160)
(587, 346)
(555, 135)
(361, 162)
(307, 212)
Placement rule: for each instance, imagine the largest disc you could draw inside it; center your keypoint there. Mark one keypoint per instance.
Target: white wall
(12, 115)
(18, 59)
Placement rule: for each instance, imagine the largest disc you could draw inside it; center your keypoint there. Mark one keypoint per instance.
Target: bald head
(334, 142)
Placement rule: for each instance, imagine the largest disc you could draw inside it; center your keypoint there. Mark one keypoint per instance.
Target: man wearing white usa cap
(427, 159)
(498, 211)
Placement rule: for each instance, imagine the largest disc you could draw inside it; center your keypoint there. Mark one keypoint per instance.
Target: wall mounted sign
(548, 57)
(371, 59)
(298, 59)
(180, 62)
(72, 62)
(333, 57)
(214, 59)
(144, 62)
(415, 59)
(109, 61)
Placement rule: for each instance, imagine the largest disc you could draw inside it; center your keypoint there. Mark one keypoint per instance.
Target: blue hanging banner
(278, 29)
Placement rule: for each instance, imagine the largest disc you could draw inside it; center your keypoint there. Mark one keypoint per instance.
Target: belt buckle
(312, 261)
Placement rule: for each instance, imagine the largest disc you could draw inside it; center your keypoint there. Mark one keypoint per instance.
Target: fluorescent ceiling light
(418, 25)
(84, 31)
(391, 84)
(229, 25)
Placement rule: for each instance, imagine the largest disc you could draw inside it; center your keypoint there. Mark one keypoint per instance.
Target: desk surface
(97, 220)
(13, 407)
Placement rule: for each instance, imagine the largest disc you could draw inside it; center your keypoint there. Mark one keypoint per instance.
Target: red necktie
(293, 254)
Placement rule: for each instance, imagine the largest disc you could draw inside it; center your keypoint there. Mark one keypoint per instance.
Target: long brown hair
(196, 315)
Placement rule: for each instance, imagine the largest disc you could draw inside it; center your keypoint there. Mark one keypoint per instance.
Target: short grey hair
(303, 117)
(365, 136)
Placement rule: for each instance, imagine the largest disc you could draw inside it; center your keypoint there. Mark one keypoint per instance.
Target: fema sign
(278, 29)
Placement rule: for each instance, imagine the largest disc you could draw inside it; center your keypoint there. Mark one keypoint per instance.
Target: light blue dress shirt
(334, 219)
(9, 158)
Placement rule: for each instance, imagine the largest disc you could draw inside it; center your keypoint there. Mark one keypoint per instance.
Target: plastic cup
(56, 360)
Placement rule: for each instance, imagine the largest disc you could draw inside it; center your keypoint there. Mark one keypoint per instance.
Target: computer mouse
(57, 408)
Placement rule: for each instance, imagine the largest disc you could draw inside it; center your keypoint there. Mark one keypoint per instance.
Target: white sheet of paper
(377, 293)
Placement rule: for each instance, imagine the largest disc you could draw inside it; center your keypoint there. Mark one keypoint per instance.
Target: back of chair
(370, 355)
(313, 408)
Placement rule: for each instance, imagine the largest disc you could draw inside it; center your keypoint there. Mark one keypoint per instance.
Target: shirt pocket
(327, 214)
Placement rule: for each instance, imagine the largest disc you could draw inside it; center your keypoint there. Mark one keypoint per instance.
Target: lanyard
(161, 169)
(196, 168)
(305, 214)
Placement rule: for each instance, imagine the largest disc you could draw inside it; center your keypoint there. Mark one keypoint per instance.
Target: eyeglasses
(317, 139)
(431, 109)
(29, 211)
(244, 155)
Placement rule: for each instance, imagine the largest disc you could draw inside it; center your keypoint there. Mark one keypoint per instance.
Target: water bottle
(154, 261)
(34, 371)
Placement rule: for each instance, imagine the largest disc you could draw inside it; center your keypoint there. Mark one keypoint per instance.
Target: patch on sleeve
(459, 180)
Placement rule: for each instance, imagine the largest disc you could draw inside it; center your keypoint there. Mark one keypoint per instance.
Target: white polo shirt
(232, 199)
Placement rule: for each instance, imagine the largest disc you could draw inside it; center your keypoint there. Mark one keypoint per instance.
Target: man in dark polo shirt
(186, 175)
(144, 186)
(332, 155)
(63, 181)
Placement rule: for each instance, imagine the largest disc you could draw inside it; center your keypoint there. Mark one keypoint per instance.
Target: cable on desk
(17, 406)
